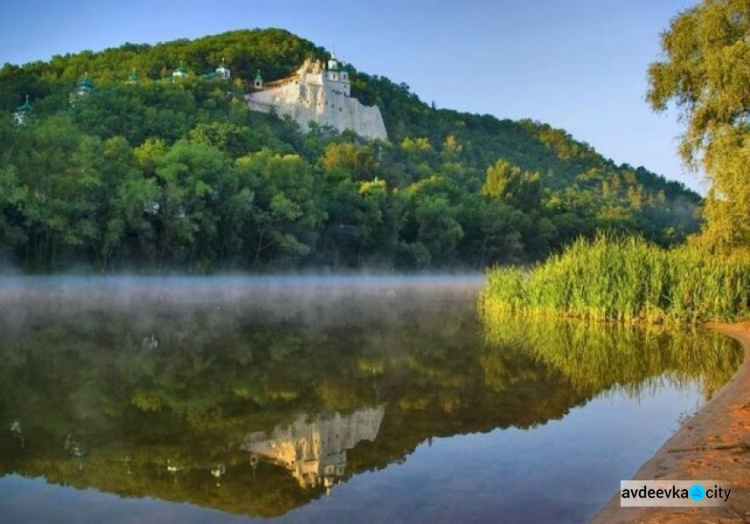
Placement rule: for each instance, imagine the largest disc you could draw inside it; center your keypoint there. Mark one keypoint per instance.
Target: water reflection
(257, 399)
(594, 356)
(315, 451)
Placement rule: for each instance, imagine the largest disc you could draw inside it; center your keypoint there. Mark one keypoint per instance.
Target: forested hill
(139, 171)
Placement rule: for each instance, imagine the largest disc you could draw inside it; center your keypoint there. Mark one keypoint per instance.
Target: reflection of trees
(159, 388)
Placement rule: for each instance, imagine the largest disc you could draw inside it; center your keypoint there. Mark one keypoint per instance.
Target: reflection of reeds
(628, 279)
(596, 356)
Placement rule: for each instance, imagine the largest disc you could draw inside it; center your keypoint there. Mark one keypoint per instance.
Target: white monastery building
(323, 96)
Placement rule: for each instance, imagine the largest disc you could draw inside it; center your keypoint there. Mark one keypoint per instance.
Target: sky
(580, 65)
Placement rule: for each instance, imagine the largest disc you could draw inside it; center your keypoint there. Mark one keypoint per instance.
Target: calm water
(324, 399)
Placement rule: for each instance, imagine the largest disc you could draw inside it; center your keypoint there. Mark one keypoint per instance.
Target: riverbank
(713, 445)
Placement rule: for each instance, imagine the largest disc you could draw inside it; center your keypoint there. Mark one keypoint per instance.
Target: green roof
(258, 78)
(182, 69)
(86, 83)
(25, 108)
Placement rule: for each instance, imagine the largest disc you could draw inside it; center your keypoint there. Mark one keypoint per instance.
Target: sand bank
(712, 445)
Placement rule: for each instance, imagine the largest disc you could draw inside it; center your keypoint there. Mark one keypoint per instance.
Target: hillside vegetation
(703, 72)
(181, 175)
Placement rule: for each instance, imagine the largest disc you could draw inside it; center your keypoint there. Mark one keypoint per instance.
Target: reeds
(627, 279)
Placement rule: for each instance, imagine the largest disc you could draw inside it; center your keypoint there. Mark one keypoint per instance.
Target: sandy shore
(713, 445)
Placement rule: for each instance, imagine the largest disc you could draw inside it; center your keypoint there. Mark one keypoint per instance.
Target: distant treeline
(182, 175)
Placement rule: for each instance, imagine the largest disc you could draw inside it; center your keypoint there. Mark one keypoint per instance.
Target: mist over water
(311, 298)
(249, 291)
(344, 398)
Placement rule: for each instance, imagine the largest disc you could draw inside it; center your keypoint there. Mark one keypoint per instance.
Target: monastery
(313, 94)
(323, 96)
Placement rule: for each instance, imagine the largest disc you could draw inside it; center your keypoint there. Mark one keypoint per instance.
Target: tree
(235, 140)
(286, 212)
(358, 161)
(438, 230)
(354, 225)
(194, 181)
(706, 73)
(56, 191)
(507, 182)
(499, 178)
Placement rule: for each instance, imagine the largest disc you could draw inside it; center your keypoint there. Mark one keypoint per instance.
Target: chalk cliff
(321, 96)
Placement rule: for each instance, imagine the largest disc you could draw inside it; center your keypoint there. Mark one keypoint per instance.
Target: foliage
(705, 72)
(162, 175)
(627, 279)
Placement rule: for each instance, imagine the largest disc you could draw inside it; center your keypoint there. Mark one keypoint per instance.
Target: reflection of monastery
(315, 451)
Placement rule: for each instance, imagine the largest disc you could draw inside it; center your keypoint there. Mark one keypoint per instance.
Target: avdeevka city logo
(673, 493)
(697, 493)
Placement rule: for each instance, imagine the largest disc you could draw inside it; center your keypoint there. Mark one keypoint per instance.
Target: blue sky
(575, 64)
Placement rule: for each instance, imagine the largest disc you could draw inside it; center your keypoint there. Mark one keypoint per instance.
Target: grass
(627, 279)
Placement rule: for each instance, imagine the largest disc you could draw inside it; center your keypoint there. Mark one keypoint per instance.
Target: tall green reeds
(627, 279)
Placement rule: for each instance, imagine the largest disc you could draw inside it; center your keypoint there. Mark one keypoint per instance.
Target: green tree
(706, 72)
(358, 161)
(56, 191)
(499, 179)
(235, 140)
(507, 182)
(437, 227)
(354, 227)
(287, 208)
(194, 180)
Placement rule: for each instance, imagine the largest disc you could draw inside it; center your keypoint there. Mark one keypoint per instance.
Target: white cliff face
(313, 95)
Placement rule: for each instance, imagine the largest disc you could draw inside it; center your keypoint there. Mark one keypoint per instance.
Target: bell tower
(338, 76)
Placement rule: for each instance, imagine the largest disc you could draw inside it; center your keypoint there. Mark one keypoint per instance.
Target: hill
(118, 166)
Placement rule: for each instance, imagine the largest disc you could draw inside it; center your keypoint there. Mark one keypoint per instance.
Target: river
(338, 399)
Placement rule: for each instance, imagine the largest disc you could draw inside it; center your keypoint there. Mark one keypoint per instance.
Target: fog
(216, 300)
